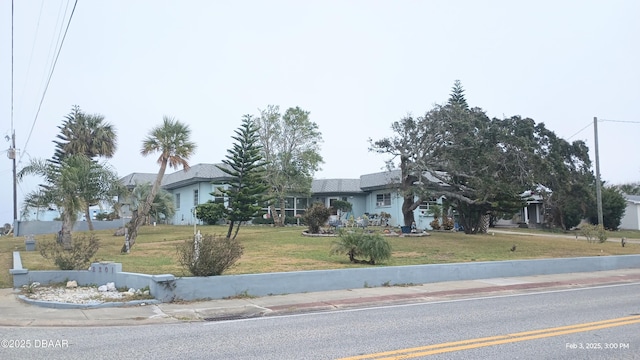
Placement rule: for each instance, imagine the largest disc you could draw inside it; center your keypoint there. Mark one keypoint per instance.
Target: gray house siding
(631, 218)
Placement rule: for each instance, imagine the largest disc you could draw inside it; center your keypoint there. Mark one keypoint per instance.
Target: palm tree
(171, 140)
(89, 135)
(162, 203)
(65, 187)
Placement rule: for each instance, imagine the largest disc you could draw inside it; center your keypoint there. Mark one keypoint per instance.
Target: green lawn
(270, 249)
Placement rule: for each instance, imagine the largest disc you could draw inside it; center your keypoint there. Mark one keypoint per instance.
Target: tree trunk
(469, 217)
(65, 232)
(278, 217)
(274, 214)
(484, 223)
(87, 214)
(235, 234)
(231, 223)
(139, 216)
(408, 206)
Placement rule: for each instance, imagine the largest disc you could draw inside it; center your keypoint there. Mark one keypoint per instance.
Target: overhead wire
(56, 45)
(33, 45)
(581, 130)
(53, 67)
(620, 121)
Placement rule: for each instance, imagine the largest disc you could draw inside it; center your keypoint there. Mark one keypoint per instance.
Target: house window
(383, 199)
(426, 205)
(195, 198)
(177, 201)
(302, 203)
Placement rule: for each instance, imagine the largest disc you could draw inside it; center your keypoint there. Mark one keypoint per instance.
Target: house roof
(195, 174)
(133, 179)
(211, 172)
(634, 199)
(335, 186)
(389, 178)
(380, 179)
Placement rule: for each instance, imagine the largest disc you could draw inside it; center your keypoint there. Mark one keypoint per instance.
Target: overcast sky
(356, 66)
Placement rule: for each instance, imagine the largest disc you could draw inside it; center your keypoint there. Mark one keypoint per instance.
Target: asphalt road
(587, 323)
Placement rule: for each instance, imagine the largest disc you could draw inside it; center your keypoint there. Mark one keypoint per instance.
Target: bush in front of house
(212, 256)
(211, 213)
(78, 257)
(316, 216)
(447, 223)
(362, 244)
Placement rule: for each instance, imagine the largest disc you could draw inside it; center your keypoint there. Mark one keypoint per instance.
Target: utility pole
(12, 155)
(598, 189)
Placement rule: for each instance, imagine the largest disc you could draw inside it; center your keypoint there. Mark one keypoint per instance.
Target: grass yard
(268, 249)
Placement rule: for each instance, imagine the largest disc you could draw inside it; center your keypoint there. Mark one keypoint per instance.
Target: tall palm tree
(88, 135)
(171, 140)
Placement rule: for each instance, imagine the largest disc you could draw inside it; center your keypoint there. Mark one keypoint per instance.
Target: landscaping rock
(72, 284)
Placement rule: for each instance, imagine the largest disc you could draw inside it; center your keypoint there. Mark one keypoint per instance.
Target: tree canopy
(172, 140)
(290, 146)
(88, 135)
(481, 165)
(73, 178)
(245, 166)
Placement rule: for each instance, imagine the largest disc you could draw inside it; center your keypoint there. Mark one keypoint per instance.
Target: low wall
(23, 228)
(97, 274)
(168, 288)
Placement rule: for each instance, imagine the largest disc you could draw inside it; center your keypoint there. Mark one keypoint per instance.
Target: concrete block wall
(168, 288)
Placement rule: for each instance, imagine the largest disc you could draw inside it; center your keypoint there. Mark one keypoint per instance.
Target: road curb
(109, 304)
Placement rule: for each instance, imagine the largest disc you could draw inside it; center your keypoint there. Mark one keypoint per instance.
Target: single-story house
(369, 194)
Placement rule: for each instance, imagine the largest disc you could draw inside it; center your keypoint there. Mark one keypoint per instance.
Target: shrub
(107, 216)
(316, 216)
(262, 221)
(384, 217)
(210, 212)
(78, 257)
(371, 246)
(447, 223)
(213, 256)
(435, 224)
(591, 232)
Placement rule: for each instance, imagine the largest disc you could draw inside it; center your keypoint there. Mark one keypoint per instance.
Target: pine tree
(245, 166)
(457, 96)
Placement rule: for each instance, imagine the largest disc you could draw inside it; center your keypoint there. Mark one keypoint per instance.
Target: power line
(49, 79)
(581, 130)
(33, 45)
(620, 121)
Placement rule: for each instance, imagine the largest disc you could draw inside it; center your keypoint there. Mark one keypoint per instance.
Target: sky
(356, 66)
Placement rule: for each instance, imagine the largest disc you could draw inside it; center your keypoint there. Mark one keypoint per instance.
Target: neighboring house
(631, 218)
(371, 194)
(532, 215)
